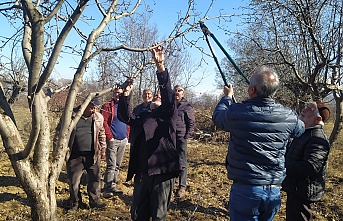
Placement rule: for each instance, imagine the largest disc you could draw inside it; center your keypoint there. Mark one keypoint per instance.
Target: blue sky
(165, 15)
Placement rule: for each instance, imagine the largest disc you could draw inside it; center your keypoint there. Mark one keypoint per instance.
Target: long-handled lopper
(207, 32)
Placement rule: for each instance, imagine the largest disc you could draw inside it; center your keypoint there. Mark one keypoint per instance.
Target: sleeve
(299, 127)
(190, 121)
(167, 94)
(102, 136)
(315, 157)
(123, 112)
(221, 113)
(107, 114)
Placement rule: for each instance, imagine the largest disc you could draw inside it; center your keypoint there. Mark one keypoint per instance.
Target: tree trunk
(32, 166)
(43, 207)
(338, 120)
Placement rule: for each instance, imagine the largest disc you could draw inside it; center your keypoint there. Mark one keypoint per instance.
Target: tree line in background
(301, 39)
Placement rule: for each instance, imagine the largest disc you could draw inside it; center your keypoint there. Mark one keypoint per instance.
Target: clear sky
(165, 15)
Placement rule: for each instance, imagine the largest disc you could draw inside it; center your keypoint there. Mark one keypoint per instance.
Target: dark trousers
(75, 166)
(181, 145)
(151, 196)
(297, 209)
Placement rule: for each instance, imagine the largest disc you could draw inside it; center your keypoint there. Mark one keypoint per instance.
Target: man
(116, 139)
(87, 144)
(259, 132)
(184, 128)
(154, 161)
(306, 160)
(145, 106)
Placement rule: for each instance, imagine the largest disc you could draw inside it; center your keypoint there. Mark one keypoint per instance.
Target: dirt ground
(206, 197)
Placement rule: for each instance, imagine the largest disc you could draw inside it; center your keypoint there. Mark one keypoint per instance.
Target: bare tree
(115, 67)
(13, 75)
(43, 28)
(302, 40)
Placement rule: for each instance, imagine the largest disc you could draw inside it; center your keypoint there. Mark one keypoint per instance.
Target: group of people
(157, 131)
(271, 148)
(261, 160)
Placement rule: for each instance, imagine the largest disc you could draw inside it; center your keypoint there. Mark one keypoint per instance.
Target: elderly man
(145, 106)
(306, 160)
(87, 144)
(184, 129)
(154, 160)
(259, 132)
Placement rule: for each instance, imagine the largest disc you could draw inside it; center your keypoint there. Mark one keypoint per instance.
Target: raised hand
(158, 56)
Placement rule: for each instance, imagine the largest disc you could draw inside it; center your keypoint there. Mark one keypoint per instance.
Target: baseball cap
(95, 101)
(323, 111)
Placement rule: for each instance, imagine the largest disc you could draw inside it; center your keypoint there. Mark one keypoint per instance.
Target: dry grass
(206, 197)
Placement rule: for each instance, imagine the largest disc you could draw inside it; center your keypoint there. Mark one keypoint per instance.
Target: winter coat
(259, 132)
(306, 161)
(158, 127)
(185, 119)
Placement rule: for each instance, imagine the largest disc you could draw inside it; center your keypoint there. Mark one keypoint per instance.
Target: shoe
(73, 206)
(181, 192)
(97, 204)
(116, 191)
(107, 194)
(83, 205)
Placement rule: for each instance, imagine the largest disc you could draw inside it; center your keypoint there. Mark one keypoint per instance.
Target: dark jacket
(108, 110)
(259, 132)
(158, 127)
(306, 160)
(185, 119)
(140, 107)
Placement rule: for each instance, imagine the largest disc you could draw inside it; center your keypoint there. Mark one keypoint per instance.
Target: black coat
(185, 120)
(155, 131)
(306, 160)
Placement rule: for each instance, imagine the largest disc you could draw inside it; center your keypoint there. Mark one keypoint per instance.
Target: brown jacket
(99, 137)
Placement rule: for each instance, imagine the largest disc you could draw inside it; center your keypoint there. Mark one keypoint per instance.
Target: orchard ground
(206, 196)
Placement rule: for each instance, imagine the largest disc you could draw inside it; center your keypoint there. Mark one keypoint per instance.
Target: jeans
(114, 157)
(258, 203)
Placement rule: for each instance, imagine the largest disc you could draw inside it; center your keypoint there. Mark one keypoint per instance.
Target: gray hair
(266, 81)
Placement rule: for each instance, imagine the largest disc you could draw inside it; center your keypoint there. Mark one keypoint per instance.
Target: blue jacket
(259, 130)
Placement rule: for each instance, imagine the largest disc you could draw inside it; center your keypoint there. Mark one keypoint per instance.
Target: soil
(206, 197)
